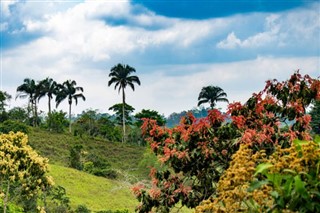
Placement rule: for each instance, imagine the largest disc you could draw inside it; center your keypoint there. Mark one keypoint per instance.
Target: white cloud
(280, 29)
(260, 39)
(169, 94)
(78, 43)
(5, 7)
(230, 42)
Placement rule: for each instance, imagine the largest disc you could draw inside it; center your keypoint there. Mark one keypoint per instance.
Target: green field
(96, 193)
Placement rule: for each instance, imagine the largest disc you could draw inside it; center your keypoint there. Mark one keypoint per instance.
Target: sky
(177, 47)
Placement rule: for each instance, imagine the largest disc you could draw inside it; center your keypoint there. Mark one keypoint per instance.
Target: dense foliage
(288, 180)
(197, 152)
(151, 114)
(211, 95)
(23, 171)
(315, 115)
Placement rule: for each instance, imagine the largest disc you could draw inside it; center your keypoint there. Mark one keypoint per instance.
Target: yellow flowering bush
(286, 181)
(22, 170)
(233, 184)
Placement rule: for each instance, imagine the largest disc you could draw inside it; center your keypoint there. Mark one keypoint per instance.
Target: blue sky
(177, 47)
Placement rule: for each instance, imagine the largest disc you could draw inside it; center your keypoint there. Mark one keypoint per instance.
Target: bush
(82, 209)
(56, 200)
(14, 126)
(11, 208)
(18, 114)
(99, 167)
(57, 121)
(116, 211)
(286, 181)
(108, 173)
(75, 157)
(197, 152)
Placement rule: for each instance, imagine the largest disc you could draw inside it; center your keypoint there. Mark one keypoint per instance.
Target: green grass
(95, 192)
(56, 147)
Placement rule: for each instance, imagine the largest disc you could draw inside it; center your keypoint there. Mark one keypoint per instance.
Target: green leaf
(261, 168)
(317, 139)
(290, 171)
(256, 184)
(288, 187)
(300, 187)
(274, 194)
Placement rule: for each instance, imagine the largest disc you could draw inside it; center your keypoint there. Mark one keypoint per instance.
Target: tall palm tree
(211, 95)
(121, 77)
(29, 89)
(48, 87)
(69, 90)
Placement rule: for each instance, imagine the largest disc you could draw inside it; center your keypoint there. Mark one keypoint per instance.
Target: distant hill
(174, 118)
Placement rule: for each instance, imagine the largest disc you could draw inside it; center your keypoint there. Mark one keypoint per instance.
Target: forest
(259, 156)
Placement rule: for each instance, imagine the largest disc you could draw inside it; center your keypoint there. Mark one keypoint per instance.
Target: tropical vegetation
(197, 154)
(121, 76)
(68, 90)
(260, 156)
(212, 95)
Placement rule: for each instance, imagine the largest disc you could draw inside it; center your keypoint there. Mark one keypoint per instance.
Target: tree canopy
(212, 95)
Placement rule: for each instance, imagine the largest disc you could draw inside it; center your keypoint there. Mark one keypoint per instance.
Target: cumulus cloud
(281, 29)
(164, 92)
(5, 7)
(174, 58)
(260, 39)
(230, 42)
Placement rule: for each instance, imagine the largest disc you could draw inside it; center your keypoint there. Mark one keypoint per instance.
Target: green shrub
(75, 157)
(82, 209)
(294, 182)
(108, 173)
(14, 126)
(56, 200)
(57, 121)
(97, 166)
(116, 211)
(18, 114)
(11, 208)
(88, 167)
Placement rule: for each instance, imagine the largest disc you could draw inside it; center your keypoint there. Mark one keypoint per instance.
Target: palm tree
(69, 90)
(31, 90)
(48, 87)
(121, 77)
(211, 95)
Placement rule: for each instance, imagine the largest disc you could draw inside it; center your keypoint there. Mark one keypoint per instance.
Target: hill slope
(96, 193)
(57, 147)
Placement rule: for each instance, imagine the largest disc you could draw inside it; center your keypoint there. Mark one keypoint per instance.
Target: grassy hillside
(95, 192)
(56, 147)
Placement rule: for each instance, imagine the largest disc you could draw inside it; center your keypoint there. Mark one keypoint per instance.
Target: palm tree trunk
(49, 113)
(70, 117)
(123, 116)
(35, 113)
(49, 105)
